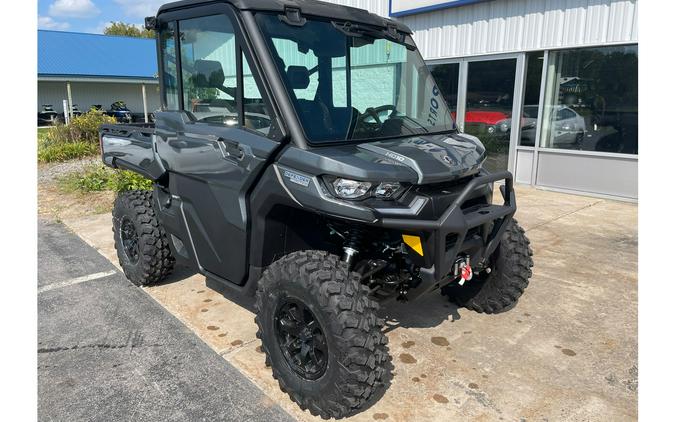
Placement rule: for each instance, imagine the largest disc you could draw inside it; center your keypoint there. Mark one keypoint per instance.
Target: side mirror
(298, 77)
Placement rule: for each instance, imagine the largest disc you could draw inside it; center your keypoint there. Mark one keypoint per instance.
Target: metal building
(95, 69)
(550, 86)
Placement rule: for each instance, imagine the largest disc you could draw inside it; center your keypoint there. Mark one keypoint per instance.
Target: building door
(485, 93)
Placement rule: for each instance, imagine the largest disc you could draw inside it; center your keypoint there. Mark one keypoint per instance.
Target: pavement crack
(236, 348)
(94, 346)
(564, 215)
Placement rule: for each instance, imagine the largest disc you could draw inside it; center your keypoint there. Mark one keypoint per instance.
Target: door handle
(233, 149)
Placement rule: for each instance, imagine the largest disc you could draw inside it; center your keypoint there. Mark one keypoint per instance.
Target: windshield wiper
(356, 30)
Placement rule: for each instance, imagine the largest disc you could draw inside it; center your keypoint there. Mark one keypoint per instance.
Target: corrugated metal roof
(95, 55)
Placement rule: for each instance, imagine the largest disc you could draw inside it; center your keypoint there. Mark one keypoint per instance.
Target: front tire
(499, 290)
(141, 244)
(320, 333)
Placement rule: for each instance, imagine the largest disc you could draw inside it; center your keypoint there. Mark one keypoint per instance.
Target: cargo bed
(131, 147)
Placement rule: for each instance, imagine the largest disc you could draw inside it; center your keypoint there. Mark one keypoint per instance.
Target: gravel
(48, 173)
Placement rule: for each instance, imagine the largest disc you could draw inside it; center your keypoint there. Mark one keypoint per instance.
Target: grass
(42, 133)
(97, 177)
(65, 152)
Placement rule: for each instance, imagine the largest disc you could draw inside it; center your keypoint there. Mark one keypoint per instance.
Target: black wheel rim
(129, 239)
(301, 339)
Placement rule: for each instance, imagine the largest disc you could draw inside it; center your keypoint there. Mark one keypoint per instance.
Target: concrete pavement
(567, 351)
(107, 351)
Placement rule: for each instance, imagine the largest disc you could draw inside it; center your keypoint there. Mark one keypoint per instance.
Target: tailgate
(131, 147)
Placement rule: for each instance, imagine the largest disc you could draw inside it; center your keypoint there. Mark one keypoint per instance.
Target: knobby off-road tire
(498, 291)
(134, 215)
(357, 358)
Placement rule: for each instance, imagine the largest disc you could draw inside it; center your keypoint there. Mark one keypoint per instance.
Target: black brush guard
(445, 238)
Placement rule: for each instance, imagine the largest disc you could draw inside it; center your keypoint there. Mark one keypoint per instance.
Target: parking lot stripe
(75, 280)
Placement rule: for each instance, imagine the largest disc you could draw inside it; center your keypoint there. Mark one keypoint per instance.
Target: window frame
(242, 47)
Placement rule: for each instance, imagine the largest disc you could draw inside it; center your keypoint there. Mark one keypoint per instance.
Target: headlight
(504, 127)
(387, 189)
(354, 189)
(351, 189)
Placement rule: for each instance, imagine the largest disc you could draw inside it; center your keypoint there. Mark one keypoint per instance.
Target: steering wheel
(374, 112)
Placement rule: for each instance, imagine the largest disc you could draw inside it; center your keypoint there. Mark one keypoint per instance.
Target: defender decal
(297, 178)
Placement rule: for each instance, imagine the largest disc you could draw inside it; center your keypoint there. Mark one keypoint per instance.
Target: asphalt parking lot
(107, 351)
(567, 351)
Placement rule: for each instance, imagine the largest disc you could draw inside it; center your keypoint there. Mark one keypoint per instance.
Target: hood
(419, 159)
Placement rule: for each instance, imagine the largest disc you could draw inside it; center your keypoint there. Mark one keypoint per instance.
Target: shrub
(97, 177)
(77, 140)
(64, 152)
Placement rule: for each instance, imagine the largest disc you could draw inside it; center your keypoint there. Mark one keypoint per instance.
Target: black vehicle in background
(307, 157)
(47, 116)
(76, 110)
(120, 112)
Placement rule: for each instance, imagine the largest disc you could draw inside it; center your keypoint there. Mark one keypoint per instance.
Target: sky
(93, 15)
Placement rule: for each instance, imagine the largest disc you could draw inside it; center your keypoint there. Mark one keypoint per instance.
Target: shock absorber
(352, 245)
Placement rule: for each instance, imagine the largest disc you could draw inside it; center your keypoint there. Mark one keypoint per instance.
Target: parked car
(569, 127)
(324, 214)
(47, 116)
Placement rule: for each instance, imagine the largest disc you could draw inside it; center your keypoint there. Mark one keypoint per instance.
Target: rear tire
(349, 371)
(499, 290)
(141, 244)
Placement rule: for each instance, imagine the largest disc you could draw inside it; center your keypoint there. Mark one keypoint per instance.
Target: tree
(128, 30)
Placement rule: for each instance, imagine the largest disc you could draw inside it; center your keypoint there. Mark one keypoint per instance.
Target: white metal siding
(85, 94)
(379, 7)
(504, 26)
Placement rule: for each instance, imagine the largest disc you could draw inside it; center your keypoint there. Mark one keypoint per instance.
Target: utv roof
(307, 8)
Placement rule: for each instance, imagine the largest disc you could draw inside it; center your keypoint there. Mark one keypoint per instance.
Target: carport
(89, 69)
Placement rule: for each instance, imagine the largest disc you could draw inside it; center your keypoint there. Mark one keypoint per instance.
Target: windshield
(349, 83)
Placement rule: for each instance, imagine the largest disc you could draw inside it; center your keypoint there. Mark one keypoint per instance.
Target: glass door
(490, 92)
(446, 76)
(482, 94)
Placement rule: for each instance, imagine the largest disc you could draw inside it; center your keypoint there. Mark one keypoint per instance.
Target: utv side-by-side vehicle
(305, 155)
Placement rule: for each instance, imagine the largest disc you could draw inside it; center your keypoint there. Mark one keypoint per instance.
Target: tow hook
(462, 269)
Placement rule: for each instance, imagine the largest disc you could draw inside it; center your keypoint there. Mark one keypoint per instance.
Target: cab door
(218, 138)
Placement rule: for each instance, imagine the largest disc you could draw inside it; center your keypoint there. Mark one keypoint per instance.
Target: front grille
(442, 195)
(451, 239)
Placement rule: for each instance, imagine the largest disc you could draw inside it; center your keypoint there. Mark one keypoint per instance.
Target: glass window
(528, 123)
(447, 78)
(168, 48)
(256, 116)
(354, 82)
(489, 104)
(298, 58)
(592, 100)
(208, 67)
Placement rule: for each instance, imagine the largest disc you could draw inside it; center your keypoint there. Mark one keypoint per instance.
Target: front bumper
(476, 231)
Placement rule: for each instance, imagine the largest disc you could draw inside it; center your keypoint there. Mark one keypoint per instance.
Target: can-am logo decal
(296, 178)
(395, 156)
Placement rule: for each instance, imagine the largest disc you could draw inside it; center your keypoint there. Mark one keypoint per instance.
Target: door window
(168, 49)
(447, 78)
(256, 114)
(208, 53)
(489, 104)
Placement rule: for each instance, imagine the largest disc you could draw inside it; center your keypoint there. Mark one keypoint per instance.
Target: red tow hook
(466, 274)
